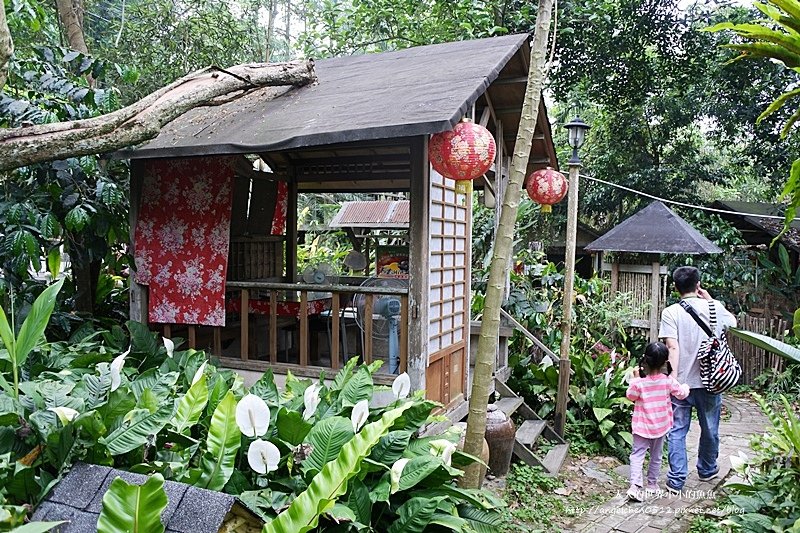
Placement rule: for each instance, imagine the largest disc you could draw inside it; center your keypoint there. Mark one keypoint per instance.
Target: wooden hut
(214, 208)
(649, 233)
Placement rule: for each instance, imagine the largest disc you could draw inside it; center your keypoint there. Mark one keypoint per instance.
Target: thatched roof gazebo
(653, 231)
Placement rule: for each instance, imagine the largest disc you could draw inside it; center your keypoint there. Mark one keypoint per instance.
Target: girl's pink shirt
(652, 407)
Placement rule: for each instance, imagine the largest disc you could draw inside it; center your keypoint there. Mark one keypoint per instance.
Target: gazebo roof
(378, 214)
(656, 229)
(411, 92)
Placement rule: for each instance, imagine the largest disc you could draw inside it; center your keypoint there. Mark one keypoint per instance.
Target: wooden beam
(490, 106)
(137, 293)
(192, 336)
(418, 292)
(655, 296)
(614, 278)
(511, 80)
(368, 304)
(403, 333)
(335, 331)
(291, 233)
(273, 327)
(303, 328)
(244, 319)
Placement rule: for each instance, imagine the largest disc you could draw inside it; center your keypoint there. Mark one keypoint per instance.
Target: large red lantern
(547, 187)
(462, 154)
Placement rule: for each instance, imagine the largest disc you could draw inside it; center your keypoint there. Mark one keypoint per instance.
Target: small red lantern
(547, 187)
(462, 154)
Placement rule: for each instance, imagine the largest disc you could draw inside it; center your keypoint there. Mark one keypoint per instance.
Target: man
(683, 337)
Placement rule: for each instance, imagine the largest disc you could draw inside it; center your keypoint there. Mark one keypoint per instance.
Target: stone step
(509, 405)
(555, 458)
(529, 431)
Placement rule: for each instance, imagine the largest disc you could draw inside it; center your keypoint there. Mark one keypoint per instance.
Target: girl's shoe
(635, 494)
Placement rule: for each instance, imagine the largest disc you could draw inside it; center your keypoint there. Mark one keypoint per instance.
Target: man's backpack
(719, 368)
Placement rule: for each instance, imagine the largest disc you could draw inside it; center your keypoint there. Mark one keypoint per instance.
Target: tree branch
(6, 47)
(144, 119)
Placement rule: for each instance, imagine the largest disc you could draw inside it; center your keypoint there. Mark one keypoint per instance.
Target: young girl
(652, 416)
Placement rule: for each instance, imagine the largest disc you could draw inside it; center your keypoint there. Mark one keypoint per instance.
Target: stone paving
(674, 513)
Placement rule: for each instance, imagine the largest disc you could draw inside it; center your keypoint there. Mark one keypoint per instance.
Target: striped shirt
(652, 407)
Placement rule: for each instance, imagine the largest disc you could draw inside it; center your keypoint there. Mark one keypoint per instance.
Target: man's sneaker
(635, 494)
(672, 490)
(710, 476)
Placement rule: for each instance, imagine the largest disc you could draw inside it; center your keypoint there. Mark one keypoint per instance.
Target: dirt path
(674, 513)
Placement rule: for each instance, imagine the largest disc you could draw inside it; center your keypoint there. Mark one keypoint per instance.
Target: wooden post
(419, 255)
(244, 315)
(335, 325)
(614, 278)
(569, 282)
(291, 232)
(655, 297)
(137, 292)
(404, 333)
(303, 328)
(217, 341)
(192, 336)
(273, 327)
(168, 331)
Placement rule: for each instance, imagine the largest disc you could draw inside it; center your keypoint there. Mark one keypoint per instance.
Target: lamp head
(577, 132)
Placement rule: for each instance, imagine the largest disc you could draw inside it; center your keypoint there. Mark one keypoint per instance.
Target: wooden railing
(273, 298)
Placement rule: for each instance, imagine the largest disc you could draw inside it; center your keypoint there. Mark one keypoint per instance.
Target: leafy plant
(767, 343)
(133, 508)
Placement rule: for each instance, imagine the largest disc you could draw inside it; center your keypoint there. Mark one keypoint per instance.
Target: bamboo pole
(504, 240)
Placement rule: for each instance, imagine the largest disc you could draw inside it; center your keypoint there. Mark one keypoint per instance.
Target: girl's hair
(655, 355)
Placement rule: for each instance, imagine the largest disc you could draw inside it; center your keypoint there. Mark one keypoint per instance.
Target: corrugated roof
(78, 499)
(656, 229)
(415, 91)
(372, 214)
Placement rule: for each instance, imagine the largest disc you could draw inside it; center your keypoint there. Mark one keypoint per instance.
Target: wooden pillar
(137, 292)
(291, 231)
(655, 297)
(614, 277)
(419, 255)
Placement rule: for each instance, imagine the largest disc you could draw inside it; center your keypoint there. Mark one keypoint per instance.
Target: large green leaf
(481, 520)
(222, 445)
(36, 527)
(360, 502)
(303, 514)
(191, 405)
(415, 515)
(357, 388)
(36, 322)
(327, 438)
(5, 332)
(266, 389)
(144, 424)
(767, 343)
(292, 427)
(417, 469)
(391, 447)
(133, 508)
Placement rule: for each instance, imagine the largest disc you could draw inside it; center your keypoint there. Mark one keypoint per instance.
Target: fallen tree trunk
(144, 119)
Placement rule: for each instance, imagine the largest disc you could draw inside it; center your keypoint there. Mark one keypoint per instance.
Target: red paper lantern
(546, 186)
(462, 154)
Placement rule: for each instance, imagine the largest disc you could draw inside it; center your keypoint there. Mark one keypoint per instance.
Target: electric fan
(320, 274)
(385, 316)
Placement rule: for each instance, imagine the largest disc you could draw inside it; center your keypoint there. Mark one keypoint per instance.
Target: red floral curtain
(182, 237)
(281, 204)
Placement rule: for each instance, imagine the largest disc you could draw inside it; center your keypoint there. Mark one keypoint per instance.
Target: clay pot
(500, 434)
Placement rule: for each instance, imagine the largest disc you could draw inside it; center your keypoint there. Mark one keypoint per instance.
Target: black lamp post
(577, 135)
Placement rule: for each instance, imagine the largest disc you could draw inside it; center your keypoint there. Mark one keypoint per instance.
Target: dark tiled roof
(656, 229)
(416, 91)
(78, 499)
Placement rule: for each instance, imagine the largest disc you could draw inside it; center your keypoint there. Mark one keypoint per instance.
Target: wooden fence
(756, 361)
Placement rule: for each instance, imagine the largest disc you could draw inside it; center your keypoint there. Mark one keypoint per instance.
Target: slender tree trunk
(70, 12)
(6, 46)
(503, 247)
(273, 12)
(144, 119)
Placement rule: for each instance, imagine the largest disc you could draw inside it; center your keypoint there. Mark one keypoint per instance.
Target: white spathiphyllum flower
(252, 416)
(613, 356)
(396, 473)
(359, 415)
(198, 374)
(547, 362)
(116, 369)
(444, 449)
(65, 414)
(401, 386)
(607, 375)
(311, 401)
(169, 345)
(263, 456)
(739, 462)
